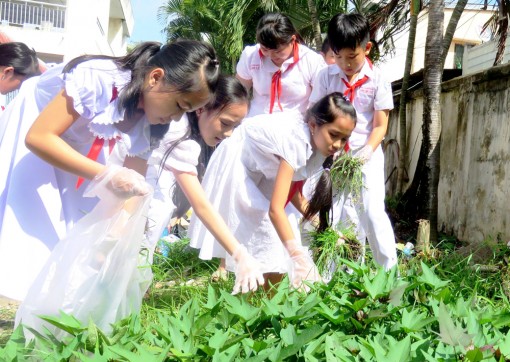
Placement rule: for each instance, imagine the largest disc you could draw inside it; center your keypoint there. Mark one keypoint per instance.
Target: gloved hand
(365, 153)
(248, 274)
(303, 268)
(123, 182)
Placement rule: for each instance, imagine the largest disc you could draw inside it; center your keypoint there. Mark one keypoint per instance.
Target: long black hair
(188, 66)
(276, 29)
(326, 110)
(229, 91)
(20, 57)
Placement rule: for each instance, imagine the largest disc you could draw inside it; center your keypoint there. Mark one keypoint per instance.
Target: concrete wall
(474, 182)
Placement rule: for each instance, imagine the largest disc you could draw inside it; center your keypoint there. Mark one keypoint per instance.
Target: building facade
(60, 30)
(468, 34)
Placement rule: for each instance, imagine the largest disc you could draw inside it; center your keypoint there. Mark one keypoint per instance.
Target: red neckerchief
(351, 90)
(98, 143)
(276, 80)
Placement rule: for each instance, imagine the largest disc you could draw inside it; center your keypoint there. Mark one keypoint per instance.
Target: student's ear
(368, 47)
(313, 126)
(7, 72)
(156, 75)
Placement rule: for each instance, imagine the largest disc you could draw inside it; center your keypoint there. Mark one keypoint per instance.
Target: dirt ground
(8, 309)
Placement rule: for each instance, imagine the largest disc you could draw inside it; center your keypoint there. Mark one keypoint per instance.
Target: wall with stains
(474, 181)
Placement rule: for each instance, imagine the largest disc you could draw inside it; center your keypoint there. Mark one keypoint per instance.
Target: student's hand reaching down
(303, 268)
(248, 274)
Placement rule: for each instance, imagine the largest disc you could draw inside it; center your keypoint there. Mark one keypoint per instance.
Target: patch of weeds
(346, 175)
(330, 245)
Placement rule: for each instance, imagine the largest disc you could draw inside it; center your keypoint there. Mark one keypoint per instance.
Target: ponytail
(322, 198)
(325, 111)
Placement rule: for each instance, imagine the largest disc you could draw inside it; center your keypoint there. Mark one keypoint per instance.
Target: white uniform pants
(368, 215)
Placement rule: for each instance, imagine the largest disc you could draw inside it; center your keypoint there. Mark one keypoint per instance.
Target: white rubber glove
(248, 274)
(365, 153)
(303, 268)
(123, 182)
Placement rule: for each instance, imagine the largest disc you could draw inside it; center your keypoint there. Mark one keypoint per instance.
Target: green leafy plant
(417, 314)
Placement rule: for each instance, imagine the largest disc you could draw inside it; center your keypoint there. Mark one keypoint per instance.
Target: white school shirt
(3, 103)
(296, 83)
(373, 95)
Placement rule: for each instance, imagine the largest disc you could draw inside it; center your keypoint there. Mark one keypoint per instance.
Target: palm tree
(387, 18)
(415, 8)
(316, 26)
(194, 19)
(422, 194)
(431, 130)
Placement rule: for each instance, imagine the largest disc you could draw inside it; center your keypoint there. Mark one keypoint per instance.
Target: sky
(146, 25)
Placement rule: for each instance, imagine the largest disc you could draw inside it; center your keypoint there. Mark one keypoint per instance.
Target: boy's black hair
(325, 46)
(348, 31)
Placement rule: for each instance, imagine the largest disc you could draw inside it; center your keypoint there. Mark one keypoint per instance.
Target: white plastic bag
(98, 272)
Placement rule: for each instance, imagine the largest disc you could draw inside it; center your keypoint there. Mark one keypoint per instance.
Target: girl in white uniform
(182, 157)
(250, 175)
(281, 71)
(280, 68)
(91, 102)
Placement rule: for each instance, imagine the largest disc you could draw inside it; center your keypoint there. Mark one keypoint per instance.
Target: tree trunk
(432, 111)
(315, 24)
(450, 30)
(402, 116)
(420, 199)
(502, 30)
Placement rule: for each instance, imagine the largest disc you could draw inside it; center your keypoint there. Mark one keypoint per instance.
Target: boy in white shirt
(354, 75)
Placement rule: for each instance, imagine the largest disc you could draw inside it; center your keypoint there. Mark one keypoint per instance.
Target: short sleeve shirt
(184, 152)
(296, 82)
(373, 95)
(279, 135)
(92, 86)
